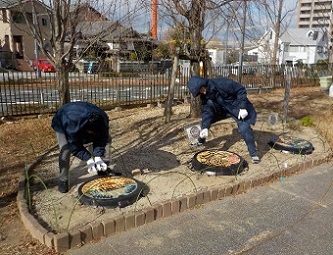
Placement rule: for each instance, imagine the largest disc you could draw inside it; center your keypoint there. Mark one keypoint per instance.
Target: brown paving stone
(97, 230)
(140, 218)
(158, 212)
(109, 227)
(166, 209)
(175, 206)
(120, 224)
(86, 234)
(74, 238)
(61, 242)
(150, 215)
(129, 221)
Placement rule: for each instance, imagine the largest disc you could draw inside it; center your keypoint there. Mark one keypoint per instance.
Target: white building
(217, 52)
(295, 45)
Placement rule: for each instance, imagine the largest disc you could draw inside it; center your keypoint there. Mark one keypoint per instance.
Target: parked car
(44, 65)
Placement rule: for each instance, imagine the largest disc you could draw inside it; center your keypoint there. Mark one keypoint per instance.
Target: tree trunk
(196, 20)
(276, 44)
(169, 101)
(195, 103)
(62, 85)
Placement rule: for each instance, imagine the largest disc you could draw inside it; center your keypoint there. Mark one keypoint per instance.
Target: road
(290, 217)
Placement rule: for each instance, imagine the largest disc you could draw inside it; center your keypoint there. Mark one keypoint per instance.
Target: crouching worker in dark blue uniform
(223, 98)
(77, 124)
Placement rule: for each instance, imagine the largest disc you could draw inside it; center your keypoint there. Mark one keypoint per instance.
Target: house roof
(107, 30)
(302, 36)
(9, 3)
(85, 6)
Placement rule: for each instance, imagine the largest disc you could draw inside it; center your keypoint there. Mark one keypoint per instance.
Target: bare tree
(193, 15)
(64, 17)
(63, 20)
(279, 16)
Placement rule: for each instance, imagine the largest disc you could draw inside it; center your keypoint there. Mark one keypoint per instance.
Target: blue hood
(195, 83)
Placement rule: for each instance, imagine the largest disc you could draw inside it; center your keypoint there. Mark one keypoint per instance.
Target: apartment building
(314, 14)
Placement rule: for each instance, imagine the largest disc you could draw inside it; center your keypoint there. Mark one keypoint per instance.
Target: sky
(138, 16)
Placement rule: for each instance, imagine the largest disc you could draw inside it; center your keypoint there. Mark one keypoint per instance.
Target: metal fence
(23, 93)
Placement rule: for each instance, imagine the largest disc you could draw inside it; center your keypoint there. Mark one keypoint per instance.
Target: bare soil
(143, 142)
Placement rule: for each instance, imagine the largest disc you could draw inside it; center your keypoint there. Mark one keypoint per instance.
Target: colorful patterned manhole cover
(218, 162)
(289, 144)
(110, 191)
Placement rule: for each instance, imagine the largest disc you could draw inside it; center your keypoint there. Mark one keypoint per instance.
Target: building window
(306, 5)
(304, 19)
(44, 22)
(4, 16)
(286, 47)
(305, 12)
(18, 18)
(293, 49)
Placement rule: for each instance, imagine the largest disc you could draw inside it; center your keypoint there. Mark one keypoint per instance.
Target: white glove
(100, 165)
(242, 114)
(204, 133)
(91, 167)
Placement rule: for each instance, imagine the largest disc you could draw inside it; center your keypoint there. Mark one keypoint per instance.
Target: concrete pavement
(289, 217)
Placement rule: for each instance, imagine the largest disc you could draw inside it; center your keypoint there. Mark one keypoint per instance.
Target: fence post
(41, 96)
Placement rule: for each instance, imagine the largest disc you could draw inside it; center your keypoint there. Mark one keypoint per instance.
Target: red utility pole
(154, 19)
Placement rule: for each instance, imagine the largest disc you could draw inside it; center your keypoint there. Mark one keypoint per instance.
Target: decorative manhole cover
(218, 162)
(289, 144)
(193, 132)
(110, 191)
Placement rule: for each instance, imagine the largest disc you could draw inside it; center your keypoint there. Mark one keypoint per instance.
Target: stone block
(150, 215)
(86, 234)
(206, 197)
(61, 242)
(175, 206)
(109, 227)
(200, 198)
(120, 224)
(166, 209)
(214, 194)
(97, 230)
(183, 204)
(191, 201)
(140, 218)
(158, 212)
(74, 238)
(129, 221)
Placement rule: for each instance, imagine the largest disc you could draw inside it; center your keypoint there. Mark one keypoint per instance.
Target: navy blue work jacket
(224, 98)
(71, 119)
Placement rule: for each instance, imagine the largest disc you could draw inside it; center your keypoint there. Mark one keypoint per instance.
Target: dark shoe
(255, 159)
(63, 186)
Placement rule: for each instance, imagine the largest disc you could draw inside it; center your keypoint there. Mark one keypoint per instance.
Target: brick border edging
(64, 241)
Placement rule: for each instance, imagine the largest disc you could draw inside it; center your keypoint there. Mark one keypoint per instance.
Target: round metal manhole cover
(110, 191)
(195, 131)
(218, 162)
(289, 144)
